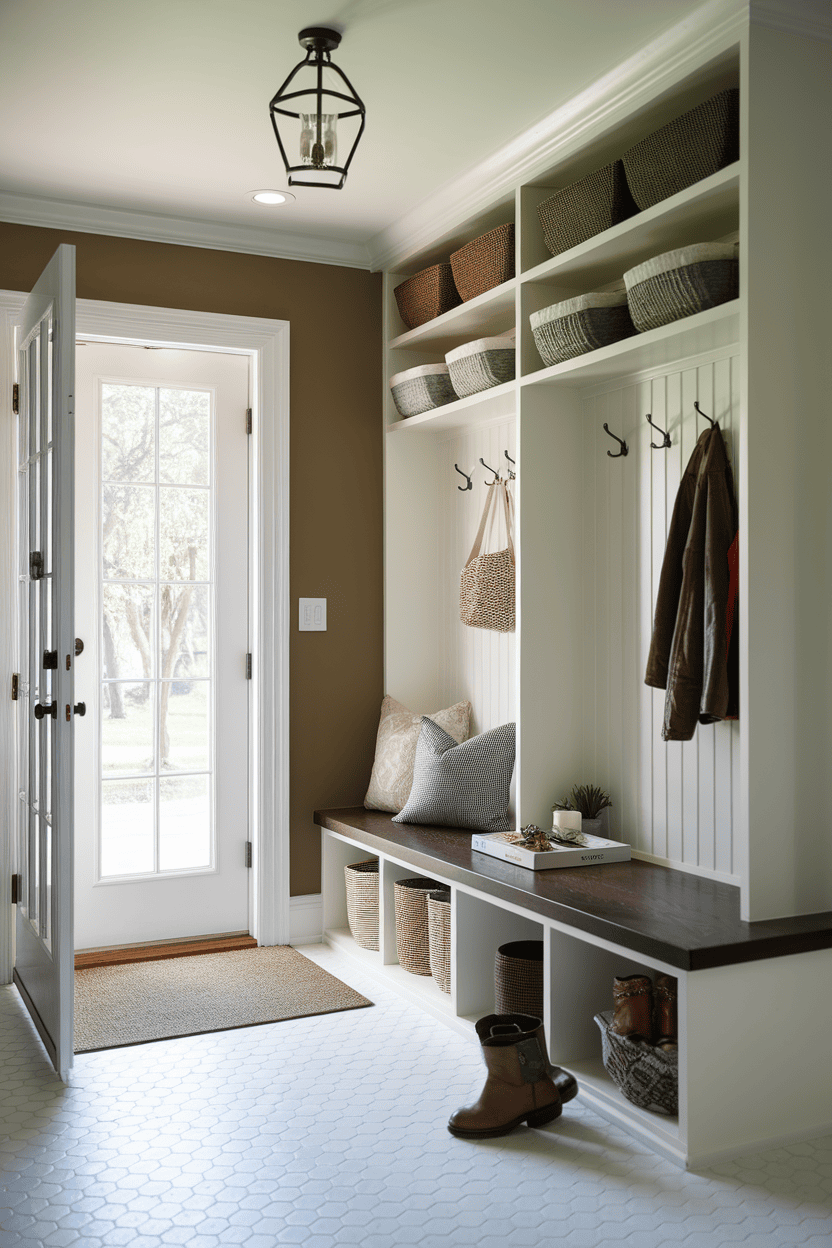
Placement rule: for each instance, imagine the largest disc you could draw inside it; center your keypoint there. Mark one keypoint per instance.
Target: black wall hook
(496, 474)
(624, 447)
(659, 446)
(701, 413)
(511, 475)
(469, 483)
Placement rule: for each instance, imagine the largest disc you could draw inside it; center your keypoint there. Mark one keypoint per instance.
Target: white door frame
(267, 342)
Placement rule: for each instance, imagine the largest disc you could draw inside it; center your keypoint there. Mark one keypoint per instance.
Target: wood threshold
(157, 951)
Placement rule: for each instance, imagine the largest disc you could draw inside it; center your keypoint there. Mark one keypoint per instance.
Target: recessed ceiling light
(270, 197)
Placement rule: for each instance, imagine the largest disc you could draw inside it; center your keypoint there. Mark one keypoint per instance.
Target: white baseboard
(305, 918)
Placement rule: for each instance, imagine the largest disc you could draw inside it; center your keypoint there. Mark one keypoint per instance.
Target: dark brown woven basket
(485, 262)
(518, 978)
(439, 937)
(427, 295)
(412, 943)
(586, 208)
(687, 149)
(647, 1076)
(361, 880)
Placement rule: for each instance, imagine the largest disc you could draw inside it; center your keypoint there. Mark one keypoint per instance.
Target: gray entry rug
(143, 1001)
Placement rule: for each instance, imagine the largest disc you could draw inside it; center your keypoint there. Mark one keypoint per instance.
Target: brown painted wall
(336, 476)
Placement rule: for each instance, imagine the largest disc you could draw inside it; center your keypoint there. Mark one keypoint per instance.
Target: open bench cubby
(742, 986)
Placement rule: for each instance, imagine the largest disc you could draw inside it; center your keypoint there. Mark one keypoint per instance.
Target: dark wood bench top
(688, 921)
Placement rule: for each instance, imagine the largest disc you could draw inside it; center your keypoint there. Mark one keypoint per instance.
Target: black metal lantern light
(318, 138)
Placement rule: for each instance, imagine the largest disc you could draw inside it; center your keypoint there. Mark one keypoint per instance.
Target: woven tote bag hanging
(362, 902)
(412, 942)
(518, 978)
(439, 937)
(486, 589)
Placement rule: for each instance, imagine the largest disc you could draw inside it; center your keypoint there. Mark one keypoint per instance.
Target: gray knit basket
(439, 937)
(422, 389)
(586, 208)
(681, 283)
(481, 364)
(578, 325)
(646, 1076)
(687, 149)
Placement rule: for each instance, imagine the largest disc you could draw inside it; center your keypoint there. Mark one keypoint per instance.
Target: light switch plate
(312, 615)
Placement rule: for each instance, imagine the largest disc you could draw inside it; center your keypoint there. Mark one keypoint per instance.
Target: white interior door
(162, 590)
(44, 956)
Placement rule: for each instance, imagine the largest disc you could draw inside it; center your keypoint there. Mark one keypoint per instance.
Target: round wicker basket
(518, 978)
(412, 943)
(439, 937)
(361, 879)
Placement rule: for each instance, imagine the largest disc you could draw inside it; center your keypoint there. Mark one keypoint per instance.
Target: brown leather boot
(519, 1086)
(665, 1027)
(633, 1006)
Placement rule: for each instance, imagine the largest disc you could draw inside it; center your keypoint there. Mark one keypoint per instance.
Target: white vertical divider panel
(673, 801)
(476, 663)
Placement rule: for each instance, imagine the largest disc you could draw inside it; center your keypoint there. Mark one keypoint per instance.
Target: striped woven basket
(485, 262)
(427, 295)
(585, 323)
(518, 978)
(481, 364)
(412, 941)
(361, 880)
(586, 208)
(439, 937)
(687, 149)
(681, 283)
(647, 1076)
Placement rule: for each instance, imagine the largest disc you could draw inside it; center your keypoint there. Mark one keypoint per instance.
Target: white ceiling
(160, 107)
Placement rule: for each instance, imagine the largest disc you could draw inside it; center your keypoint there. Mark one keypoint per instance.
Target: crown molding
(811, 19)
(182, 231)
(706, 32)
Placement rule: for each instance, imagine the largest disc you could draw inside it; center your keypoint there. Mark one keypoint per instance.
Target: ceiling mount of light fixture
(316, 139)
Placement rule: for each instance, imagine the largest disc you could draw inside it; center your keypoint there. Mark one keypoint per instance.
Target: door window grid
(157, 650)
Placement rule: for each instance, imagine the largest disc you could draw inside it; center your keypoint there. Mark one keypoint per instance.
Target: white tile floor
(331, 1131)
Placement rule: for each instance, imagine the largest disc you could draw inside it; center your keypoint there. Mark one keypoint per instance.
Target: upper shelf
(700, 213)
(489, 314)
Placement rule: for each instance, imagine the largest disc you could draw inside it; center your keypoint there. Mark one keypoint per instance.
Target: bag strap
(486, 512)
(508, 501)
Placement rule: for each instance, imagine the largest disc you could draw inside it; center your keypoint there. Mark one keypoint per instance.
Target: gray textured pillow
(461, 786)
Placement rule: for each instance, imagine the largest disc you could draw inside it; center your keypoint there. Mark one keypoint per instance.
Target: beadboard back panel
(676, 801)
(475, 663)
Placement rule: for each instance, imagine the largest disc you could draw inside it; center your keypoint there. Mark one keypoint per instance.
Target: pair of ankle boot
(646, 1009)
(522, 1085)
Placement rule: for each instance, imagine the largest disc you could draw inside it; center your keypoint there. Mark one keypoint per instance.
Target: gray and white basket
(421, 389)
(481, 364)
(647, 1076)
(681, 283)
(583, 324)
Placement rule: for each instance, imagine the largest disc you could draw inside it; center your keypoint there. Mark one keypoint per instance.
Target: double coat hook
(469, 484)
(659, 446)
(624, 447)
(701, 413)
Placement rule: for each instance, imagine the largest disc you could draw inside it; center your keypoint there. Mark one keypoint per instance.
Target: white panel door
(162, 586)
(44, 956)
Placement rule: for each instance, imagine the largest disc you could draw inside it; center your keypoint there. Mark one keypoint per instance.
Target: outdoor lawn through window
(156, 757)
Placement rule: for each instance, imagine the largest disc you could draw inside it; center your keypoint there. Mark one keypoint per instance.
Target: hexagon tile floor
(330, 1131)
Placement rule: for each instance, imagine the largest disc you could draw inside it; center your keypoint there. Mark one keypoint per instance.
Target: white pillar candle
(567, 820)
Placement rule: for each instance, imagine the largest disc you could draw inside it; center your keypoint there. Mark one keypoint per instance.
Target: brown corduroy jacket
(689, 653)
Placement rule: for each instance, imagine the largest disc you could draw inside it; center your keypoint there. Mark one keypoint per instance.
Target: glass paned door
(43, 969)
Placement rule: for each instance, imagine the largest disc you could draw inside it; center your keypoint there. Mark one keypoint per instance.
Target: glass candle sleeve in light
(319, 154)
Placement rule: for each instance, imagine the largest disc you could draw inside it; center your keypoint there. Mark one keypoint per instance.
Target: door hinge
(36, 565)
(248, 667)
(16, 889)
(16, 398)
(15, 686)
(248, 853)
(248, 419)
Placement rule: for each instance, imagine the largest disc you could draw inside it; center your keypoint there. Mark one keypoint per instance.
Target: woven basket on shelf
(439, 937)
(681, 283)
(481, 364)
(647, 1076)
(421, 389)
(362, 902)
(518, 978)
(586, 208)
(412, 944)
(427, 295)
(485, 262)
(687, 149)
(583, 324)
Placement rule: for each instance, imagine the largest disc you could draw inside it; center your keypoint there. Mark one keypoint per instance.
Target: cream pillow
(398, 736)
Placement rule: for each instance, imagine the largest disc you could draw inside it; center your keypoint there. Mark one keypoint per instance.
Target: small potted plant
(591, 802)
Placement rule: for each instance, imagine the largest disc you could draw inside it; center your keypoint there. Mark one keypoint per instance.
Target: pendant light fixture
(315, 138)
